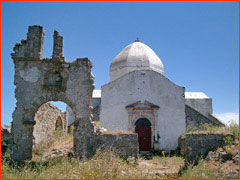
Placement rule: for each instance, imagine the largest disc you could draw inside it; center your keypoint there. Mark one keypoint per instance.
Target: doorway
(143, 129)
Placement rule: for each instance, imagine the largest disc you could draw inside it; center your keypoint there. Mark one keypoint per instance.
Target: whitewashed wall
(203, 105)
(153, 87)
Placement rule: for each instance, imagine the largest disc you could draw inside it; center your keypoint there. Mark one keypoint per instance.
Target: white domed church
(139, 98)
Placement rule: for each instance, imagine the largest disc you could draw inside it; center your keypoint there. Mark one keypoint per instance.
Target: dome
(136, 56)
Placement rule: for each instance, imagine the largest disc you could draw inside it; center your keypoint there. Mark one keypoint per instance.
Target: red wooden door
(144, 137)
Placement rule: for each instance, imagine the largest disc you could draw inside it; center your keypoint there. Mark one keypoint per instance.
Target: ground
(53, 160)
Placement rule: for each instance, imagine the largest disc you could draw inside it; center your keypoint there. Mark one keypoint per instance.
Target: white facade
(200, 102)
(138, 89)
(150, 86)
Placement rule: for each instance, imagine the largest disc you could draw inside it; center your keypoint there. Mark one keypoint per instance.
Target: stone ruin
(39, 80)
(49, 119)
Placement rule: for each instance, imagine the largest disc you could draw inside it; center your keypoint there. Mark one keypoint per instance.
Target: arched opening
(143, 129)
(51, 137)
(59, 124)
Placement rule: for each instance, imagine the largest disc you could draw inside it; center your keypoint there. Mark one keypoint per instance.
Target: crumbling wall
(46, 122)
(125, 144)
(38, 81)
(57, 46)
(33, 46)
(194, 145)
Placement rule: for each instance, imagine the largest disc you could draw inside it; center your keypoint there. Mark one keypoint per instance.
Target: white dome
(136, 56)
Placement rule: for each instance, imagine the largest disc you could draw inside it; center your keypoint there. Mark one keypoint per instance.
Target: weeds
(107, 165)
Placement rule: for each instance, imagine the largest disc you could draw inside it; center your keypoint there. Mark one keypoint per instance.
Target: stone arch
(31, 93)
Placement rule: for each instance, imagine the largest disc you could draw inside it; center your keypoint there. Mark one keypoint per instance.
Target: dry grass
(233, 128)
(58, 141)
(159, 165)
(210, 170)
(106, 165)
(109, 165)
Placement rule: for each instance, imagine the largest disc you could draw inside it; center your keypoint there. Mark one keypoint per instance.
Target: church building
(139, 98)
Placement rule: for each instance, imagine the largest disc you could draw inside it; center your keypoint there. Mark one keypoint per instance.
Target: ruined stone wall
(46, 122)
(57, 46)
(39, 81)
(125, 144)
(194, 145)
(196, 119)
(33, 46)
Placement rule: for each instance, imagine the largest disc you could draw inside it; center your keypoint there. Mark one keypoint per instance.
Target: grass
(59, 140)
(210, 170)
(200, 171)
(107, 165)
(233, 128)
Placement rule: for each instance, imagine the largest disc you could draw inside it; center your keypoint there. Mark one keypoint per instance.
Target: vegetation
(101, 166)
(215, 168)
(233, 128)
(210, 169)
(59, 139)
(108, 165)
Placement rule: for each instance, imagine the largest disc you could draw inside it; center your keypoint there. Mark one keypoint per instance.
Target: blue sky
(198, 42)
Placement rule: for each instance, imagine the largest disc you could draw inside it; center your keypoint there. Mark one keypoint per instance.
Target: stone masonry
(194, 145)
(40, 80)
(196, 119)
(57, 46)
(48, 119)
(126, 144)
(33, 46)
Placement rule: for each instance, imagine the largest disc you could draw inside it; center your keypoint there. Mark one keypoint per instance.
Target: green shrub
(228, 141)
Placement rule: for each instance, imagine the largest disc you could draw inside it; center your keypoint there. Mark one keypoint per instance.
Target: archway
(50, 131)
(143, 129)
(39, 80)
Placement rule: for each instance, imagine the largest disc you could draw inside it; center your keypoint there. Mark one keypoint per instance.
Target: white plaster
(30, 74)
(135, 56)
(202, 105)
(96, 93)
(196, 95)
(145, 85)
